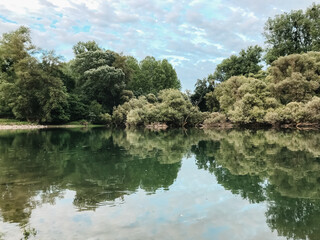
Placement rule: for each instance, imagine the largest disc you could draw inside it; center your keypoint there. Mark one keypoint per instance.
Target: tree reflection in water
(279, 168)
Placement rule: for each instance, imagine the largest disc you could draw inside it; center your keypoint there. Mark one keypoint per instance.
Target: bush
(215, 119)
(105, 118)
(172, 108)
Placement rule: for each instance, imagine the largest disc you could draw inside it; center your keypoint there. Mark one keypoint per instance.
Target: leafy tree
(172, 108)
(104, 84)
(243, 65)
(31, 89)
(202, 87)
(135, 77)
(77, 108)
(14, 47)
(175, 109)
(294, 32)
(152, 76)
(82, 47)
(295, 78)
(121, 62)
(37, 96)
(98, 79)
(245, 100)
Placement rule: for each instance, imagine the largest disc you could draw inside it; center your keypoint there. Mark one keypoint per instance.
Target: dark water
(108, 184)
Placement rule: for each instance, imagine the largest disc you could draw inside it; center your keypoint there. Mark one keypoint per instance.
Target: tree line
(102, 86)
(36, 85)
(286, 93)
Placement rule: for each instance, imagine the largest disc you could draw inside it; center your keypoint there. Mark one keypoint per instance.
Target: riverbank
(25, 127)
(14, 126)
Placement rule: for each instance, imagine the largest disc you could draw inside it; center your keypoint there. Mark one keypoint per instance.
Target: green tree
(202, 87)
(31, 89)
(152, 76)
(243, 65)
(295, 78)
(98, 80)
(293, 32)
(134, 82)
(245, 100)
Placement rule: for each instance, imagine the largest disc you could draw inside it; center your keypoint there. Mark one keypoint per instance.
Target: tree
(295, 78)
(37, 95)
(202, 87)
(121, 62)
(294, 32)
(98, 80)
(134, 82)
(243, 65)
(172, 108)
(31, 89)
(104, 84)
(152, 76)
(82, 47)
(245, 100)
(175, 109)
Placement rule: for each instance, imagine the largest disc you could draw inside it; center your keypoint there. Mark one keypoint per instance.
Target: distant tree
(82, 47)
(293, 32)
(152, 76)
(202, 87)
(121, 62)
(245, 100)
(246, 63)
(98, 79)
(134, 83)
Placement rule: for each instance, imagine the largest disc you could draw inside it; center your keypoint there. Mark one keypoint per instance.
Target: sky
(193, 35)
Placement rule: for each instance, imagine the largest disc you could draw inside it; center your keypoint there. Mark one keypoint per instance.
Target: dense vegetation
(286, 93)
(102, 86)
(35, 85)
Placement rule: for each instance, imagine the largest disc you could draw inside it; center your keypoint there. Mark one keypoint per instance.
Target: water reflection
(94, 164)
(281, 169)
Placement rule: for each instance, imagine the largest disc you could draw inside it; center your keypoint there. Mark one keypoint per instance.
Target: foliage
(281, 97)
(32, 90)
(294, 32)
(215, 119)
(202, 87)
(212, 102)
(151, 76)
(244, 100)
(243, 65)
(171, 107)
(295, 77)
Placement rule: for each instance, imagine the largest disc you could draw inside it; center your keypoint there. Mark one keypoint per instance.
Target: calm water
(103, 184)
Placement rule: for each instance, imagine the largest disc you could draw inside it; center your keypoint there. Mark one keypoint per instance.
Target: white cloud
(196, 30)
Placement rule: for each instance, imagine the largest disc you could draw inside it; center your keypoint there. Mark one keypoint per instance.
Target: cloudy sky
(194, 35)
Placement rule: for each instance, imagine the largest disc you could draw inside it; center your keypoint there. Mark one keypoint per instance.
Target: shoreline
(30, 126)
(14, 127)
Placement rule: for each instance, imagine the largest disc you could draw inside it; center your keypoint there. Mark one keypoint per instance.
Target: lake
(136, 184)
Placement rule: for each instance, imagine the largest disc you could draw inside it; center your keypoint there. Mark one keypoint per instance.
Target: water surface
(116, 184)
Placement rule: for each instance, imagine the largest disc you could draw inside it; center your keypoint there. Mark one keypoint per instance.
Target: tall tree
(98, 79)
(293, 32)
(29, 88)
(152, 76)
(245, 64)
